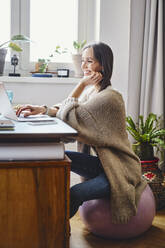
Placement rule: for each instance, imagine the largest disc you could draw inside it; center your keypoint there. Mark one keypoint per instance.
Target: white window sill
(35, 80)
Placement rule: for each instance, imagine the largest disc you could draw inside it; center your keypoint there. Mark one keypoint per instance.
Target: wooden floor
(153, 238)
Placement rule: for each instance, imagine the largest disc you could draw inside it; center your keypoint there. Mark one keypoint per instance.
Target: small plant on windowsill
(77, 57)
(42, 63)
(58, 50)
(12, 44)
(78, 46)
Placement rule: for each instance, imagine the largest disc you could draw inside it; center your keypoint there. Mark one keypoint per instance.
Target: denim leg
(85, 165)
(94, 188)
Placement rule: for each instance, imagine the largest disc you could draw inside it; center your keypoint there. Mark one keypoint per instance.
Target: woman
(97, 113)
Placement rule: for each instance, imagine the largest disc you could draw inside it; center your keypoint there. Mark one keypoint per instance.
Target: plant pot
(3, 53)
(144, 151)
(77, 59)
(154, 176)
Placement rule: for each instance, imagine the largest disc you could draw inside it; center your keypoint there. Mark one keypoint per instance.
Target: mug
(10, 95)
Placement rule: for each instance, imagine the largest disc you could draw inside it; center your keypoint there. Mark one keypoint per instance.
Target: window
(5, 18)
(48, 23)
(52, 23)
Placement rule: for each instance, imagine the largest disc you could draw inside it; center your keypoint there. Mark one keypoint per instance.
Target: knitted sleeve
(79, 116)
(100, 121)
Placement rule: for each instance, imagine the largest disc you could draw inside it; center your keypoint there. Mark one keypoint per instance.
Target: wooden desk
(34, 204)
(26, 132)
(34, 195)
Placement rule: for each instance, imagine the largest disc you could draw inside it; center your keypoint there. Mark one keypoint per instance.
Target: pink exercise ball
(96, 215)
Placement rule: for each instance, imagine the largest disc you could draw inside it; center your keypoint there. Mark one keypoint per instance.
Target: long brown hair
(104, 55)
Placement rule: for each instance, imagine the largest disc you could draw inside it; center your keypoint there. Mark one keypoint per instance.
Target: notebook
(7, 110)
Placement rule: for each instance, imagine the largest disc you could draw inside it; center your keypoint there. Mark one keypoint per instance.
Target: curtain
(146, 74)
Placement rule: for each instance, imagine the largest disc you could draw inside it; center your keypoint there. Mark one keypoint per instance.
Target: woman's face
(89, 63)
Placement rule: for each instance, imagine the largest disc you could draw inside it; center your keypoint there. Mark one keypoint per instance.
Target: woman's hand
(93, 79)
(31, 110)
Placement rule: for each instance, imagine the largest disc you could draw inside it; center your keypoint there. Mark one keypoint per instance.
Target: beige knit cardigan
(100, 122)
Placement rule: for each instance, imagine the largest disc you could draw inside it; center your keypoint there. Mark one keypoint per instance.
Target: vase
(154, 176)
(77, 59)
(3, 53)
(144, 151)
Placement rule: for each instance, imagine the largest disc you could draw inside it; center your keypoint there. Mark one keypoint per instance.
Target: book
(6, 125)
(32, 151)
(42, 75)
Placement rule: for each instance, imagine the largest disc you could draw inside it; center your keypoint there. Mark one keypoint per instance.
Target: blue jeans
(96, 186)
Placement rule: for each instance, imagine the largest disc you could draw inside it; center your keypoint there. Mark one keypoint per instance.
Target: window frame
(20, 24)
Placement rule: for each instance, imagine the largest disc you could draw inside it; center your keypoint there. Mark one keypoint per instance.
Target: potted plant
(59, 50)
(77, 57)
(42, 65)
(10, 44)
(148, 135)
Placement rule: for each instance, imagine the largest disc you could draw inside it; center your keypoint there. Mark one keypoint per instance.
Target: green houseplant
(148, 135)
(42, 64)
(78, 46)
(59, 50)
(12, 44)
(77, 57)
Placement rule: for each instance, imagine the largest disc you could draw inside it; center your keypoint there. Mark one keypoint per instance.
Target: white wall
(39, 90)
(114, 30)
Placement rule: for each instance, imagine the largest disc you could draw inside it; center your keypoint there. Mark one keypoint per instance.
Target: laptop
(7, 110)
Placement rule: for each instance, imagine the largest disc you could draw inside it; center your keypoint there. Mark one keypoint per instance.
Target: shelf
(52, 80)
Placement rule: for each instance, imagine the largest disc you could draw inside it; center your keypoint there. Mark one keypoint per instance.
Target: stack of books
(6, 125)
(32, 151)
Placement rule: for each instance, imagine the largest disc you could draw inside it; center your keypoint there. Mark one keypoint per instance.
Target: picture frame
(62, 72)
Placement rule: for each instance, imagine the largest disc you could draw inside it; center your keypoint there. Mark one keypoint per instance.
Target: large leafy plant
(12, 43)
(147, 134)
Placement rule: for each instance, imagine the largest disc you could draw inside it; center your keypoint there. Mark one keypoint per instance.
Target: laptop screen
(6, 109)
